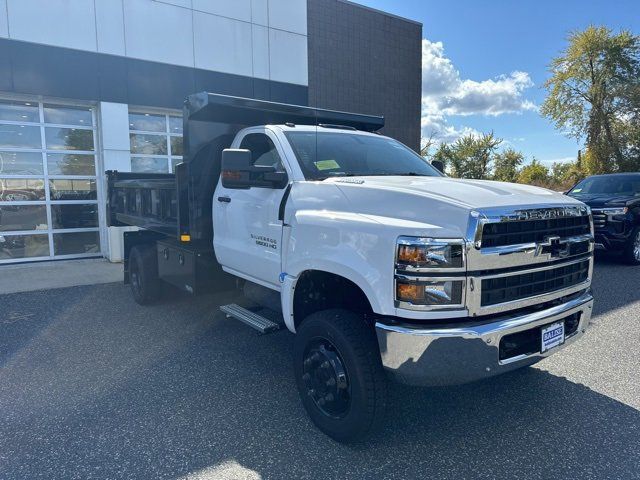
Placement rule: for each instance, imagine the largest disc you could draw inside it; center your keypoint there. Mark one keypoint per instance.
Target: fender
(346, 244)
(289, 282)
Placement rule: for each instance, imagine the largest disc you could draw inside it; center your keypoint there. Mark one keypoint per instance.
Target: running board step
(260, 323)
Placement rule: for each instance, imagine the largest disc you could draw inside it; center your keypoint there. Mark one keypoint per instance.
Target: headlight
(429, 255)
(615, 211)
(431, 292)
(418, 253)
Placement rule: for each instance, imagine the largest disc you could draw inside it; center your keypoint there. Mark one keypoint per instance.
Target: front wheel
(339, 374)
(632, 251)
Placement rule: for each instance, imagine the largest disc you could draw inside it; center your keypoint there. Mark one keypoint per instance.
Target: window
(618, 184)
(156, 141)
(48, 183)
(332, 154)
(263, 151)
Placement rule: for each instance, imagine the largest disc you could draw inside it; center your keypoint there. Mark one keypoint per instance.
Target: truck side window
(263, 151)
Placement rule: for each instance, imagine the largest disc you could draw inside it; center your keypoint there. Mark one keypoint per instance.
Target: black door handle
(224, 199)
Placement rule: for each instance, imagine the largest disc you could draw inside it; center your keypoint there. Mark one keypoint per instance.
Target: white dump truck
(382, 267)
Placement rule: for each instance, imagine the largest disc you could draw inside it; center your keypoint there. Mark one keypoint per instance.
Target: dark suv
(615, 202)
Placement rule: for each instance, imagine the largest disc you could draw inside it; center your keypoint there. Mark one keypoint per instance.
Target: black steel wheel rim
(326, 379)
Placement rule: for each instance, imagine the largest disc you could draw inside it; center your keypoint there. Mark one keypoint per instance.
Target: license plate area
(552, 336)
(528, 342)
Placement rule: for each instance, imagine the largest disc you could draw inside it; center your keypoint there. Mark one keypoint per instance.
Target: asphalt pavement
(94, 386)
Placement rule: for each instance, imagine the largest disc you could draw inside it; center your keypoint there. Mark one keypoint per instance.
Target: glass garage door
(48, 182)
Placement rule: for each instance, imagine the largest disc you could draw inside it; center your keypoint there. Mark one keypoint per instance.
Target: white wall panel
(288, 57)
(260, 12)
(264, 38)
(114, 125)
(159, 32)
(4, 23)
(238, 9)
(260, 40)
(222, 44)
(64, 23)
(289, 15)
(110, 26)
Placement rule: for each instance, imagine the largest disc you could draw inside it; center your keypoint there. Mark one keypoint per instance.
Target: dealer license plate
(552, 336)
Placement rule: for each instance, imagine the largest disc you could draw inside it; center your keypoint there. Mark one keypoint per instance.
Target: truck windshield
(608, 185)
(330, 154)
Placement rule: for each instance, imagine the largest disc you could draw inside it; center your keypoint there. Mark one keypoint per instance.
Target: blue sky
(485, 61)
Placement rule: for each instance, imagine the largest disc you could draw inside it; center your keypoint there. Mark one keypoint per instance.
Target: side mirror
(438, 165)
(235, 168)
(239, 172)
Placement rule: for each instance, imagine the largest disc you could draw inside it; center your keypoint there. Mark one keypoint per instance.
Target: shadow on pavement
(107, 389)
(615, 284)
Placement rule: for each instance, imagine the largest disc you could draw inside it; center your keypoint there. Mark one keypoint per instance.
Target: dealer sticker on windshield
(552, 336)
(326, 164)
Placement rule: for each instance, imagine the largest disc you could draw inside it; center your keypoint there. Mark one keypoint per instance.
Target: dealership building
(88, 86)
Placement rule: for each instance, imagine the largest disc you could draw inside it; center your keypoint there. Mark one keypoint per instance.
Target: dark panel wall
(365, 61)
(31, 68)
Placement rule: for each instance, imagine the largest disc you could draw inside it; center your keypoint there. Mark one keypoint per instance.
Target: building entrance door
(48, 181)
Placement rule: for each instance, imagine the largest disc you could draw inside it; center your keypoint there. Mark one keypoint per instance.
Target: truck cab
(382, 267)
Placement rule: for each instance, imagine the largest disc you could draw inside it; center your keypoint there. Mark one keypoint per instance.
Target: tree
(506, 165)
(594, 93)
(443, 154)
(470, 156)
(534, 174)
(564, 175)
(426, 144)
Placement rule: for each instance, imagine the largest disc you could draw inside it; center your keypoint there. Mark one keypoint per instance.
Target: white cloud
(445, 94)
(442, 131)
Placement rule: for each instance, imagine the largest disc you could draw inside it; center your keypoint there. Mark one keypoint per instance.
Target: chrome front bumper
(419, 355)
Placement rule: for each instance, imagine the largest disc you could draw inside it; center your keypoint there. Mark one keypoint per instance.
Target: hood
(600, 200)
(469, 194)
(438, 205)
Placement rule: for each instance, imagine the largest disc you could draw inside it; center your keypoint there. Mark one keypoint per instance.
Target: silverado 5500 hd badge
(265, 241)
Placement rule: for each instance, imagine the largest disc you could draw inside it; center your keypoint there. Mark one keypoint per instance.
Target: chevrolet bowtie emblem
(553, 246)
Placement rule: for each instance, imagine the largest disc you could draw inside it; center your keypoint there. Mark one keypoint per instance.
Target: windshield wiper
(338, 175)
(409, 174)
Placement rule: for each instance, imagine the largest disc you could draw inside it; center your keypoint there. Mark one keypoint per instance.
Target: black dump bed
(179, 205)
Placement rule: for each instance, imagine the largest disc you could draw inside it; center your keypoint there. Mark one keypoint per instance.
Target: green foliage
(594, 93)
(534, 174)
(506, 165)
(564, 175)
(479, 157)
(470, 156)
(443, 154)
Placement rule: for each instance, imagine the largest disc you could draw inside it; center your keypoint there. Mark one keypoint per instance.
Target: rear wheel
(339, 374)
(632, 251)
(143, 274)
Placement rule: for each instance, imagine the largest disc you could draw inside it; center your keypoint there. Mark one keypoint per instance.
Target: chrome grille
(516, 287)
(531, 231)
(517, 258)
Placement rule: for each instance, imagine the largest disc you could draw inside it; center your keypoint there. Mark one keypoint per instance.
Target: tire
(143, 274)
(349, 357)
(631, 253)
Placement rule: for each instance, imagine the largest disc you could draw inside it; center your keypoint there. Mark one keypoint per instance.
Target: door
(247, 234)
(49, 188)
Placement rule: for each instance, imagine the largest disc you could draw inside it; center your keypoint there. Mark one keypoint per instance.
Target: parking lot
(94, 386)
